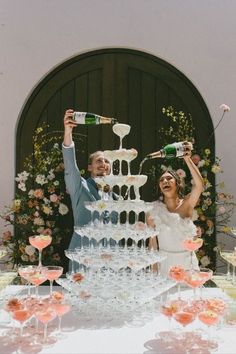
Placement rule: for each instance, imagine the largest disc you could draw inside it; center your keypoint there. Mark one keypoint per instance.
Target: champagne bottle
(91, 118)
(169, 151)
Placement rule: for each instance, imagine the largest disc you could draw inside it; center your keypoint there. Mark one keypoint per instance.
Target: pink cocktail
(192, 244)
(209, 317)
(177, 273)
(61, 308)
(38, 277)
(25, 272)
(184, 317)
(167, 310)
(22, 315)
(45, 315)
(198, 305)
(40, 242)
(14, 304)
(193, 278)
(216, 305)
(53, 273)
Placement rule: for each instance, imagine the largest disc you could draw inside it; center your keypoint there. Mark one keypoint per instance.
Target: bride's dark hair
(179, 183)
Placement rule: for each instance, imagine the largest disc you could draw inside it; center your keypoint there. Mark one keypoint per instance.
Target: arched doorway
(129, 85)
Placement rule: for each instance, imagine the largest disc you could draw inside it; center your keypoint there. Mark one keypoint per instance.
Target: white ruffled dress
(171, 231)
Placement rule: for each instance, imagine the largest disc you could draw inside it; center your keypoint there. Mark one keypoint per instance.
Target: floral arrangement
(215, 206)
(41, 203)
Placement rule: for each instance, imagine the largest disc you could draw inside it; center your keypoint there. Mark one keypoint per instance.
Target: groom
(80, 189)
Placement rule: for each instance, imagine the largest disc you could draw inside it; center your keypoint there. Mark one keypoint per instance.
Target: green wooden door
(129, 85)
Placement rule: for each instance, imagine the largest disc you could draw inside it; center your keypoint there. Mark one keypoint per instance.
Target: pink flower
(225, 107)
(181, 173)
(47, 232)
(221, 210)
(196, 159)
(54, 198)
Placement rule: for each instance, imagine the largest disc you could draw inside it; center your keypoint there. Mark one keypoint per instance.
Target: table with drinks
(196, 314)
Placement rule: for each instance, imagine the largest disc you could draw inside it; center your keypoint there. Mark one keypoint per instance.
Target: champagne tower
(116, 269)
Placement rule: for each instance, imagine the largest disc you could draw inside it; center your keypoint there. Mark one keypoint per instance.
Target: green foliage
(41, 204)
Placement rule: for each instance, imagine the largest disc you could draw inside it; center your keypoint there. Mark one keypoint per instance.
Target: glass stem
(21, 329)
(37, 292)
(191, 260)
(72, 266)
(59, 324)
(51, 283)
(28, 288)
(40, 258)
(233, 279)
(45, 332)
(228, 275)
(179, 293)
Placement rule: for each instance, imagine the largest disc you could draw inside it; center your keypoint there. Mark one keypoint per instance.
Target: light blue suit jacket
(80, 190)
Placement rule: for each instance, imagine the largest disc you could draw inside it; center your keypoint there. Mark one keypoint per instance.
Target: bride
(172, 217)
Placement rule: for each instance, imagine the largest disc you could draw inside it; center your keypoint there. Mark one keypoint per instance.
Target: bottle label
(174, 150)
(179, 149)
(85, 118)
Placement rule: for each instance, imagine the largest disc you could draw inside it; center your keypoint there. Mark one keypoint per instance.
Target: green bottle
(169, 151)
(91, 118)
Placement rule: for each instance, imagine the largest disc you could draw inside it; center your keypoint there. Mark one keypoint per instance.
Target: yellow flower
(39, 130)
(225, 229)
(215, 168)
(207, 151)
(47, 210)
(17, 203)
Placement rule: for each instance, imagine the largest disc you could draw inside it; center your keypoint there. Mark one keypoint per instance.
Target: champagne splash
(141, 164)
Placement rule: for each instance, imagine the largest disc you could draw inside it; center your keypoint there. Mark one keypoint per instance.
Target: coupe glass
(227, 256)
(71, 254)
(185, 316)
(25, 272)
(53, 273)
(177, 273)
(61, 308)
(40, 242)
(22, 315)
(191, 245)
(210, 319)
(45, 315)
(121, 130)
(38, 277)
(193, 279)
(206, 274)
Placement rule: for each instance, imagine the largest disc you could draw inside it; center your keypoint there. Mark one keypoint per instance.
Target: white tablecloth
(145, 334)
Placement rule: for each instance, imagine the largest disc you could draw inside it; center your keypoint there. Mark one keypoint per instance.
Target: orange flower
(209, 223)
(38, 193)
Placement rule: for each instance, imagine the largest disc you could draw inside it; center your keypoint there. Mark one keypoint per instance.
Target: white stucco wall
(196, 36)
